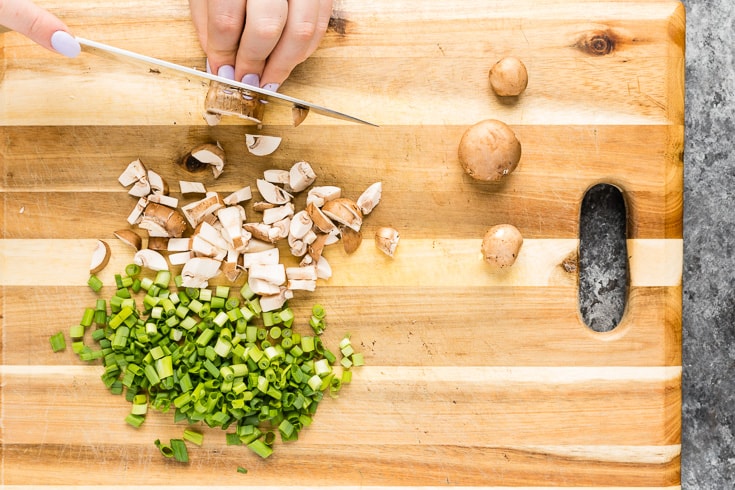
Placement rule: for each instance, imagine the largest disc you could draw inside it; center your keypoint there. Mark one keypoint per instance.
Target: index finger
(39, 25)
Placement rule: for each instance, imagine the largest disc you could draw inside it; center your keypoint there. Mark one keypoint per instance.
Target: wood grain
(473, 378)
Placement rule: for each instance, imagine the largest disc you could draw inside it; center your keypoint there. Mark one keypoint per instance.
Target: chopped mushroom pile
(213, 234)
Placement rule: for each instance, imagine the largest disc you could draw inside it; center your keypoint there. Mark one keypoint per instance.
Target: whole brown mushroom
(489, 150)
(501, 245)
(508, 77)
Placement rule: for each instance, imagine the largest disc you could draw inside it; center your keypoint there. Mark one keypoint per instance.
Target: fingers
(225, 22)
(266, 20)
(306, 24)
(38, 25)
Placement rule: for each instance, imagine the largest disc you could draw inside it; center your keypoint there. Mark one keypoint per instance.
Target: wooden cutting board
(472, 378)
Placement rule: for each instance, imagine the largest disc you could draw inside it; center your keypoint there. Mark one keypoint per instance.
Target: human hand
(259, 42)
(39, 26)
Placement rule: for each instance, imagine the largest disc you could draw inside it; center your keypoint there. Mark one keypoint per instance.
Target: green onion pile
(213, 356)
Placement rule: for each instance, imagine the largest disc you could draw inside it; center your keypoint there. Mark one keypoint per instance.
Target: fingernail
(64, 43)
(272, 87)
(209, 70)
(252, 79)
(226, 71)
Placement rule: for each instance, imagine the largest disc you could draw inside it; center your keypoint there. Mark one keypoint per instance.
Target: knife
(119, 54)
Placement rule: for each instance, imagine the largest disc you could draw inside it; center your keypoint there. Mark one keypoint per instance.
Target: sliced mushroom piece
(129, 237)
(212, 154)
(133, 173)
(271, 302)
(158, 184)
(321, 194)
(255, 245)
(278, 213)
(212, 118)
(150, 259)
(323, 269)
(188, 187)
(261, 206)
(157, 216)
(100, 257)
(333, 237)
(301, 284)
(231, 219)
(240, 195)
(272, 193)
(370, 198)
(158, 243)
(141, 188)
(269, 256)
(298, 248)
(260, 231)
(137, 212)
(309, 237)
(279, 229)
(231, 271)
(305, 272)
(196, 211)
(212, 235)
(262, 145)
(273, 273)
(344, 211)
(179, 244)
(276, 176)
(316, 248)
(197, 272)
(163, 199)
(386, 239)
(298, 114)
(321, 221)
(180, 258)
(262, 286)
(301, 176)
(351, 240)
(203, 248)
(224, 100)
(301, 224)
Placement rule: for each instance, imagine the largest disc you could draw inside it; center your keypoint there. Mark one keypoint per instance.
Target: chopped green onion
(260, 448)
(180, 453)
(242, 470)
(58, 343)
(193, 436)
(94, 283)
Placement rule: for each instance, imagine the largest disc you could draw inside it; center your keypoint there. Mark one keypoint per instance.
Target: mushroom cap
(508, 77)
(501, 245)
(489, 150)
(343, 211)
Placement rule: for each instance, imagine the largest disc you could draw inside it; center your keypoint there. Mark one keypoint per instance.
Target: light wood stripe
(417, 263)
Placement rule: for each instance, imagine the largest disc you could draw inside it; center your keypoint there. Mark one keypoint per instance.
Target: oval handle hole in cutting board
(603, 258)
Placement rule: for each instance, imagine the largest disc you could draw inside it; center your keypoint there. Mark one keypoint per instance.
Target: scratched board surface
(472, 378)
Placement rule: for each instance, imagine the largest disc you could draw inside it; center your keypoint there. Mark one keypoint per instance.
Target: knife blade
(119, 54)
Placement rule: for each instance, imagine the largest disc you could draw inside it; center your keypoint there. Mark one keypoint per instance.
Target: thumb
(39, 25)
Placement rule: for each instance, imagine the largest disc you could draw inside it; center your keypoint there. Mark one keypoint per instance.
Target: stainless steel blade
(123, 55)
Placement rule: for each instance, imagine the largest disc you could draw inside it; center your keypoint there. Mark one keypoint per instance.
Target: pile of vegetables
(209, 355)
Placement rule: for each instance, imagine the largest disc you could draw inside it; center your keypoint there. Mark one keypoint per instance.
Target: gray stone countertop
(708, 411)
(708, 418)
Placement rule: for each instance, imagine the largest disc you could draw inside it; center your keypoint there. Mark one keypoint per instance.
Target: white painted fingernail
(272, 87)
(209, 70)
(64, 43)
(226, 71)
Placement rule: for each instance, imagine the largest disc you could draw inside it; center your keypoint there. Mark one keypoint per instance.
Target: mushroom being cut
(489, 150)
(223, 100)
